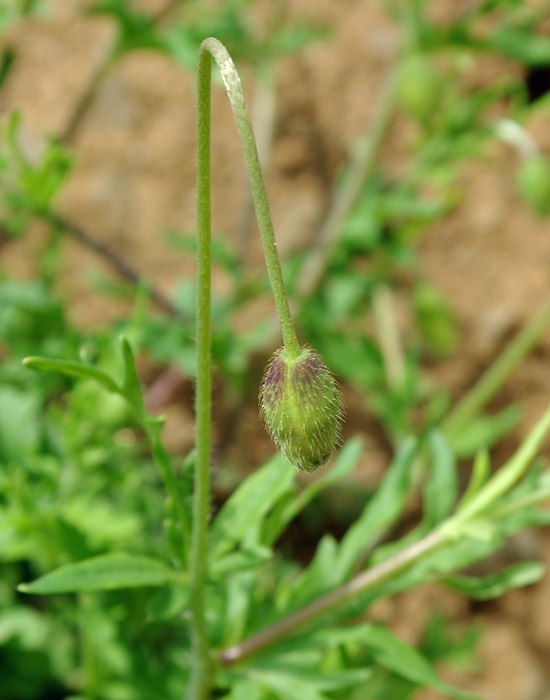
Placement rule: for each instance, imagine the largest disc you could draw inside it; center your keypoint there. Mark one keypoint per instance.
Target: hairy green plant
(248, 622)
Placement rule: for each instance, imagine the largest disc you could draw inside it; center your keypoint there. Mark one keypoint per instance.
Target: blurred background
(406, 149)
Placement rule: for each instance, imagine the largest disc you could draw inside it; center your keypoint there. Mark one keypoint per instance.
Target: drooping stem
(201, 675)
(233, 87)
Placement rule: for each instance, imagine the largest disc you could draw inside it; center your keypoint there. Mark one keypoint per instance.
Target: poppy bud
(301, 406)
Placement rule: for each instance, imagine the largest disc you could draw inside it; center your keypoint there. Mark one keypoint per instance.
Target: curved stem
(201, 673)
(233, 87)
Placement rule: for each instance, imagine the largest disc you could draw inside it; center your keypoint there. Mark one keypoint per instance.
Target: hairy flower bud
(301, 406)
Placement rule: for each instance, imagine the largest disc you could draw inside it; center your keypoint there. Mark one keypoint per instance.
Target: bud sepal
(301, 406)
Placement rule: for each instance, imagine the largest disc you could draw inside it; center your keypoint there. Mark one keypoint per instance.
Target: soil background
(132, 131)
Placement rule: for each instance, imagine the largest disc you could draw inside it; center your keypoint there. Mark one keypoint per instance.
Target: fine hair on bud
(301, 406)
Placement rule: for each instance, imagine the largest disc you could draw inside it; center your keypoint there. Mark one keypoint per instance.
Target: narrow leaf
(393, 654)
(72, 368)
(480, 473)
(343, 465)
(131, 385)
(441, 489)
(381, 511)
(251, 502)
(486, 587)
(103, 573)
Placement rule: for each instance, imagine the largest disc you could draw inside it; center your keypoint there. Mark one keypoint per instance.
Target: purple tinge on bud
(301, 406)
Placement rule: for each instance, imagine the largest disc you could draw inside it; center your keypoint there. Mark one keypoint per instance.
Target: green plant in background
(80, 492)
(260, 626)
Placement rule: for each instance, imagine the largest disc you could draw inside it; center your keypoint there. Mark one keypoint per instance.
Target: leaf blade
(103, 573)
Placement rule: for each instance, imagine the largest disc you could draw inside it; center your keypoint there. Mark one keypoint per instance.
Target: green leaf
(381, 511)
(103, 573)
(393, 654)
(483, 431)
(249, 504)
(131, 386)
(19, 424)
(521, 44)
(288, 686)
(241, 560)
(441, 489)
(247, 690)
(343, 464)
(321, 575)
(480, 473)
(25, 624)
(486, 587)
(72, 368)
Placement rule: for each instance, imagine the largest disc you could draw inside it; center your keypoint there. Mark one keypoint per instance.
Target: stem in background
(388, 336)
(346, 197)
(102, 69)
(362, 583)
(491, 381)
(235, 94)
(116, 261)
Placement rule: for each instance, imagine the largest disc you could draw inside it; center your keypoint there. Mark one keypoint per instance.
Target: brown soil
(133, 177)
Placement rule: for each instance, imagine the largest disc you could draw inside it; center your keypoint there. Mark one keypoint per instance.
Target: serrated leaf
(494, 585)
(382, 510)
(72, 368)
(103, 573)
(393, 654)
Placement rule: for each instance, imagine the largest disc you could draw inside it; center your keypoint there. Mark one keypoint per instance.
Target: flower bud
(301, 406)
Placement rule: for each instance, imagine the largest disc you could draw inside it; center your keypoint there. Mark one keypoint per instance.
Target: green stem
(506, 477)
(365, 581)
(233, 87)
(495, 376)
(489, 497)
(360, 170)
(200, 685)
(201, 674)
